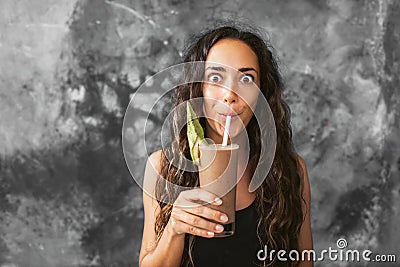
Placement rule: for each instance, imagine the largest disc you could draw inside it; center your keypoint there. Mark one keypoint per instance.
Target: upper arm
(305, 238)
(150, 205)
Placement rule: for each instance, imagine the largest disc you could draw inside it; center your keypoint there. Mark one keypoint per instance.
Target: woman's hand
(188, 216)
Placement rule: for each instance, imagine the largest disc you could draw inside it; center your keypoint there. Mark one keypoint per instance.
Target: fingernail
(210, 233)
(223, 218)
(218, 200)
(219, 227)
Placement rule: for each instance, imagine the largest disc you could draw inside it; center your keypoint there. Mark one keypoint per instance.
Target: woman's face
(231, 86)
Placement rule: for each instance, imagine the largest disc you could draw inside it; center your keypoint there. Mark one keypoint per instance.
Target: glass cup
(218, 175)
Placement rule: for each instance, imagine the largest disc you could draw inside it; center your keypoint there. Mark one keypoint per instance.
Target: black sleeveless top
(239, 249)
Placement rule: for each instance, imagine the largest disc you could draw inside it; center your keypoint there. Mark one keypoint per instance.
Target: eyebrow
(224, 70)
(247, 69)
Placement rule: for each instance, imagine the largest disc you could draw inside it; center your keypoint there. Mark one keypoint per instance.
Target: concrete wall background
(67, 70)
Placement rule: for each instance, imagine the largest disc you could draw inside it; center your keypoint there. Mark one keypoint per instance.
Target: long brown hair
(278, 200)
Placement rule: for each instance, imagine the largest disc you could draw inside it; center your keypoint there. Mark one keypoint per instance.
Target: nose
(229, 94)
(230, 97)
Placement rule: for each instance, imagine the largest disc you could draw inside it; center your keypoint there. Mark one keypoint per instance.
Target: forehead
(233, 53)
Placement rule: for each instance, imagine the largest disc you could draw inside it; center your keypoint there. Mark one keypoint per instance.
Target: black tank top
(239, 249)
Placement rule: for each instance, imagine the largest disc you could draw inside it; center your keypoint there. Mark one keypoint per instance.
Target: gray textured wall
(67, 69)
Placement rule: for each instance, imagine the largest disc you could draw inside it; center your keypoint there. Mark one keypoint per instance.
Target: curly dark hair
(279, 199)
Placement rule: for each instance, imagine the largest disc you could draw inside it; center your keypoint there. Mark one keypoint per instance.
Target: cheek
(207, 108)
(210, 99)
(251, 103)
(250, 97)
(210, 91)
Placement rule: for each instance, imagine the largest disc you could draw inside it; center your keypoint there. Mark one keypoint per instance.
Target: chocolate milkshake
(218, 175)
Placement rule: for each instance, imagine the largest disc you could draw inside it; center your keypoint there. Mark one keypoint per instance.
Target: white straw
(226, 131)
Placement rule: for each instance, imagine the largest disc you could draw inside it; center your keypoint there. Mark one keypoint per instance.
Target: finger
(198, 221)
(208, 213)
(181, 226)
(201, 210)
(186, 202)
(202, 195)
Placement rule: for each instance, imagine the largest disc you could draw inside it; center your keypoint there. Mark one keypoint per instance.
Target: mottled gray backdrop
(68, 67)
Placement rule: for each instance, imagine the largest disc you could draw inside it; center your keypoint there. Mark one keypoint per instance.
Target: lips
(234, 116)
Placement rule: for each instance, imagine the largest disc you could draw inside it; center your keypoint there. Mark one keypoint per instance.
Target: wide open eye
(214, 78)
(247, 78)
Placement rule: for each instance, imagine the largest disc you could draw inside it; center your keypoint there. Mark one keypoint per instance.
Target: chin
(236, 134)
(233, 133)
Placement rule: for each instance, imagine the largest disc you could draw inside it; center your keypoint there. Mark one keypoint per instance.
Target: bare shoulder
(301, 164)
(152, 173)
(304, 175)
(155, 161)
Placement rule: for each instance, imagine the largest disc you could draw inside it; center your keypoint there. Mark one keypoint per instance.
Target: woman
(275, 216)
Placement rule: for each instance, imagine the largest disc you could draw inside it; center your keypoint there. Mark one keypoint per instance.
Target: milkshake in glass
(218, 175)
